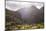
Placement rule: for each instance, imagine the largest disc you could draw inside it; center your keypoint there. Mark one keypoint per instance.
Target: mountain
(29, 15)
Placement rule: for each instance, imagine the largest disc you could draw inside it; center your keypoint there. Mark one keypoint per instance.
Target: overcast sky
(14, 6)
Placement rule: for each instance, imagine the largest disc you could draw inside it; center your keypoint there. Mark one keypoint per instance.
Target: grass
(24, 27)
(34, 26)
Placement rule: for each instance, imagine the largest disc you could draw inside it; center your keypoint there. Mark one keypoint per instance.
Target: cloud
(14, 6)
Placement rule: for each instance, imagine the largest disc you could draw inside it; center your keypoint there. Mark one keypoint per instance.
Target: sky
(14, 6)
